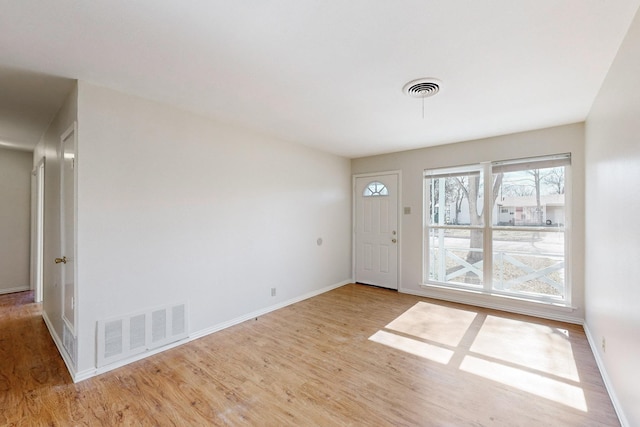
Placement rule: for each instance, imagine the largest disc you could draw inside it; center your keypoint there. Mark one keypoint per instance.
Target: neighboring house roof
(524, 201)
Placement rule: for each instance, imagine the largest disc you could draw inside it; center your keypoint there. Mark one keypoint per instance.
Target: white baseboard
(16, 289)
(88, 373)
(92, 372)
(593, 343)
(262, 312)
(58, 342)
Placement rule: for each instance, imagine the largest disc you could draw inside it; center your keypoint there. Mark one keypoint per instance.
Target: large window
(499, 227)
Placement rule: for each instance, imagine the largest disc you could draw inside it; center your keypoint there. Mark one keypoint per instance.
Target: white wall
(173, 206)
(561, 139)
(15, 214)
(613, 226)
(47, 148)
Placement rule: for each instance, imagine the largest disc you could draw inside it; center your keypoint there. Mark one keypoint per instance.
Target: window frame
(488, 228)
(378, 192)
(466, 170)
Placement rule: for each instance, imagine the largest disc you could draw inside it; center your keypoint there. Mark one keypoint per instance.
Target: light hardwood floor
(357, 355)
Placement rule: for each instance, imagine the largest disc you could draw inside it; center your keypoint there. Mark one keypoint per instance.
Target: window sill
(558, 306)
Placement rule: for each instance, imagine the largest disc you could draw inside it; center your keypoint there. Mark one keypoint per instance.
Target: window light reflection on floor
(539, 385)
(412, 346)
(535, 346)
(434, 323)
(527, 356)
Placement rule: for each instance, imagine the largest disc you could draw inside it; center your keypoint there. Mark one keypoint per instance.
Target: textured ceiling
(328, 74)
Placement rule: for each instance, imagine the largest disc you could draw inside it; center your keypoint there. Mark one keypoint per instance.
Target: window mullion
(487, 264)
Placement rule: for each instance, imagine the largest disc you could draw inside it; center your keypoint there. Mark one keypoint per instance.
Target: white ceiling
(328, 73)
(27, 103)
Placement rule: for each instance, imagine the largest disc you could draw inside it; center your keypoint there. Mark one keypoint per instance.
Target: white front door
(376, 230)
(67, 159)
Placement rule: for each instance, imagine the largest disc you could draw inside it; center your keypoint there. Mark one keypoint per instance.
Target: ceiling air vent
(422, 88)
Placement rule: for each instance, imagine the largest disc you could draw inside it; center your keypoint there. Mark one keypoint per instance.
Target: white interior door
(67, 159)
(376, 230)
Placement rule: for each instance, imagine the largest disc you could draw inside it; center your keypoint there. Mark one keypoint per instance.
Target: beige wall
(412, 163)
(613, 227)
(15, 222)
(175, 207)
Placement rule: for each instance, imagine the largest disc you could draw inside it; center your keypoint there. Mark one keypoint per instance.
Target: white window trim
(488, 228)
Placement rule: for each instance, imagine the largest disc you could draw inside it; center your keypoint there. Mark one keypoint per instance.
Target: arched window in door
(375, 189)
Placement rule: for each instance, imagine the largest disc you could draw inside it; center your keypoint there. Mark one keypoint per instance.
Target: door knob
(62, 260)
(393, 240)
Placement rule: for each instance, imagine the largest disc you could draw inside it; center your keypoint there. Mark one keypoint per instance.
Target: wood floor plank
(357, 355)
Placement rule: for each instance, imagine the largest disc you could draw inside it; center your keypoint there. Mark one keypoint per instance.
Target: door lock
(393, 240)
(62, 260)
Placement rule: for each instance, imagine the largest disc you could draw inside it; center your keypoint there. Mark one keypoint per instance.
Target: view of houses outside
(527, 230)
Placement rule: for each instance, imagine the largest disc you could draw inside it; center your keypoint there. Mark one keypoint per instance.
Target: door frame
(354, 178)
(37, 230)
(72, 131)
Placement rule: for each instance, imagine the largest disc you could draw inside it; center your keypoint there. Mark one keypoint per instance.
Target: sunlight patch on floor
(434, 322)
(412, 346)
(539, 385)
(527, 356)
(531, 345)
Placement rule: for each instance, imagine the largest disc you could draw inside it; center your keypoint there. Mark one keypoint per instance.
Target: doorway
(376, 239)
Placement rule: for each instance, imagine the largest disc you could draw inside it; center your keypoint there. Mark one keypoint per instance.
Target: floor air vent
(120, 338)
(70, 343)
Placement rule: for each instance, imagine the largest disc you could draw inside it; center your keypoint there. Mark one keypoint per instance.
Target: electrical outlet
(273, 292)
(604, 345)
